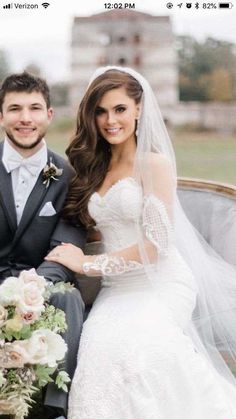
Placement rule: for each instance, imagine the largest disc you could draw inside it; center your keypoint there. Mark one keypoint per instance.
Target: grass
(59, 135)
(205, 155)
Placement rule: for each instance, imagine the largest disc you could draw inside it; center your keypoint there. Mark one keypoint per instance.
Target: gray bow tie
(31, 165)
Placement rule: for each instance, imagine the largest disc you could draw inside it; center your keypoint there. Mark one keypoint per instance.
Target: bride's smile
(116, 116)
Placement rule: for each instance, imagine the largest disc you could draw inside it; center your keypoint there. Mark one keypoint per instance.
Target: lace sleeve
(108, 265)
(156, 224)
(157, 230)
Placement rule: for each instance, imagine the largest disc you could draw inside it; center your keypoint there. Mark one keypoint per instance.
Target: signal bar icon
(7, 6)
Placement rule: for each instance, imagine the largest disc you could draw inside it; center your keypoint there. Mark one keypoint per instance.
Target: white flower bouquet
(31, 348)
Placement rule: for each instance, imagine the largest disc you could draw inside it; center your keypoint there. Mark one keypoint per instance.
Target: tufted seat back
(211, 208)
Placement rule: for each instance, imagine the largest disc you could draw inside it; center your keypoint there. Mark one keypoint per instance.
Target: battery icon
(225, 5)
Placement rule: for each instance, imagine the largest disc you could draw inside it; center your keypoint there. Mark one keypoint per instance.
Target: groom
(33, 187)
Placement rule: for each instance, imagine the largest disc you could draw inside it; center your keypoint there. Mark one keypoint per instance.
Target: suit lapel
(33, 203)
(6, 194)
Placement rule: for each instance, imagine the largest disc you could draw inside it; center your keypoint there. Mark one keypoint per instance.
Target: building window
(122, 39)
(137, 60)
(122, 61)
(137, 38)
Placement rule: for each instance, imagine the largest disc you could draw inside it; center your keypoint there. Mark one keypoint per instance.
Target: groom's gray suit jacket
(25, 246)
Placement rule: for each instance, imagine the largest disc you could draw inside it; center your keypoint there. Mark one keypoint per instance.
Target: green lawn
(206, 156)
(202, 155)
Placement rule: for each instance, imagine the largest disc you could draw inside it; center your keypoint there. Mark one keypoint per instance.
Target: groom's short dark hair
(24, 82)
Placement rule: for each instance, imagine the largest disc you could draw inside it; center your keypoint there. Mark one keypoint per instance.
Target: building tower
(127, 38)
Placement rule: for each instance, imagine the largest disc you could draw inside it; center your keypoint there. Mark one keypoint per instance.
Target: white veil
(213, 322)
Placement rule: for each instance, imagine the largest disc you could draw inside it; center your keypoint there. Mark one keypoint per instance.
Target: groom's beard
(25, 146)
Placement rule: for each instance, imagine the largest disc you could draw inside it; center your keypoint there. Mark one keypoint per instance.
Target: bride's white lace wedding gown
(135, 360)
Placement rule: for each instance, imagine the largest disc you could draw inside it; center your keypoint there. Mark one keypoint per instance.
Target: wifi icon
(45, 5)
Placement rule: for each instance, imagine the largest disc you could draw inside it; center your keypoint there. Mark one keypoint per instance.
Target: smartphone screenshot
(78, 210)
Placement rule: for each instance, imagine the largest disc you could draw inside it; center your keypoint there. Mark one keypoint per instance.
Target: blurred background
(188, 54)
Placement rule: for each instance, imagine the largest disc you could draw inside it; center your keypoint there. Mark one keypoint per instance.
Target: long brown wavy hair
(89, 153)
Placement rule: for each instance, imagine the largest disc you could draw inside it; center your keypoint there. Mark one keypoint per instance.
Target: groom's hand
(68, 255)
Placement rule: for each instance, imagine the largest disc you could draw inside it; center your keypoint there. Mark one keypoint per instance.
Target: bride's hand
(68, 255)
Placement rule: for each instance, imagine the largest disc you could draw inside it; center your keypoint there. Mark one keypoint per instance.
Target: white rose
(10, 291)
(46, 347)
(31, 299)
(3, 315)
(2, 379)
(14, 355)
(32, 276)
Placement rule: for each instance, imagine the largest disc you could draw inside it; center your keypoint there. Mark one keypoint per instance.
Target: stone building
(127, 38)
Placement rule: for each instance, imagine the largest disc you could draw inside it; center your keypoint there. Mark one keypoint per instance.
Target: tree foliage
(4, 66)
(60, 94)
(207, 70)
(34, 69)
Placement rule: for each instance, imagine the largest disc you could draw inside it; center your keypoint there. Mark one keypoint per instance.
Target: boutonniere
(51, 171)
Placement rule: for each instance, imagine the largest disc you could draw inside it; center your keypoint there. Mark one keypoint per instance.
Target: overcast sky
(42, 36)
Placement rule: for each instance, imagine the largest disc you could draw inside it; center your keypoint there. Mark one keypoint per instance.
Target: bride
(154, 344)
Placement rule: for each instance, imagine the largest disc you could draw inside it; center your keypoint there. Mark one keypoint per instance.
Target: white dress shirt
(25, 175)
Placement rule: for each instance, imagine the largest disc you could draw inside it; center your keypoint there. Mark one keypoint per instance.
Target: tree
(219, 85)
(60, 94)
(33, 69)
(201, 63)
(4, 66)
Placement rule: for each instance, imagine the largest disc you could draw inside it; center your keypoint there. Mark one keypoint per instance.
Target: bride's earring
(136, 127)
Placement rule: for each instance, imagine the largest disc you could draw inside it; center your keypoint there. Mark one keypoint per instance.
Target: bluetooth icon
(196, 5)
